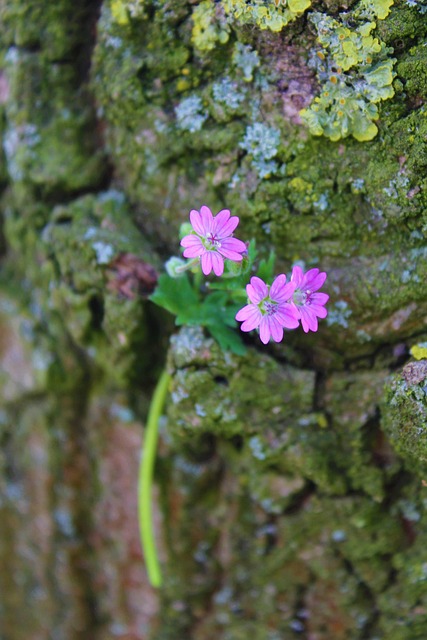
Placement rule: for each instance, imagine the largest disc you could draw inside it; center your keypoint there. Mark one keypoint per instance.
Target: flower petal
(217, 263)
(228, 227)
(191, 241)
(194, 251)
(206, 261)
(315, 281)
(221, 219)
(318, 311)
(253, 321)
(297, 275)
(257, 290)
(207, 219)
(287, 317)
(319, 298)
(264, 330)
(231, 255)
(278, 284)
(196, 222)
(246, 312)
(308, 320)
(285, 293)
(275, 329)
(233, 244)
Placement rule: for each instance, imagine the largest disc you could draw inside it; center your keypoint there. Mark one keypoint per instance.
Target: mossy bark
(291, 482)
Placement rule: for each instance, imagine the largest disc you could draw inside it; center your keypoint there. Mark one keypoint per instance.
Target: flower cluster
(271, 308)
(213, 240)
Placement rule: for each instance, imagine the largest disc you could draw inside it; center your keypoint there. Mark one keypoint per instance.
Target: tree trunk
(291, 482)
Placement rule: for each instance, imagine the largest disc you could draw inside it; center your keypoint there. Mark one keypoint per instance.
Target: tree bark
(290, 496)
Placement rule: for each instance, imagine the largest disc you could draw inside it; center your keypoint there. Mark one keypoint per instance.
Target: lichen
(123, 10)
(246, 59)
(190, 115)
(209, 26)
(262, 142)
(273, 15)
(355, 75)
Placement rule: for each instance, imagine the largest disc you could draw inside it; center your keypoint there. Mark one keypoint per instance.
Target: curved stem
(145, 481)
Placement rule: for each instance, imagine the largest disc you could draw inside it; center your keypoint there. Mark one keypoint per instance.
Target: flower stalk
(145, 481)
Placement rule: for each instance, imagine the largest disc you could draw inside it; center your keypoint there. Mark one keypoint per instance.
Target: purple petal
(245, 312)
(252, 322)
(191, 241)
(196, 222)
(233, 244)
(194, 251)
(217, 263)
(206, 261)
(194, 246)
(308, 320)
(257, 290)
(231, 255)
(220, 222)
(315, 281)
(228, 227)
(310, 275)
(207, 219)
(319, 298)
(297, 275)
(220, 219)
(285, 293)
(275, 329)
(287, 317)
(277, 285)
(264, 330)
(318, 311)
(295, 309)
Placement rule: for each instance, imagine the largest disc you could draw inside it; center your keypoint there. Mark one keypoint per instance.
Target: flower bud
(185, 229)
(175, 267)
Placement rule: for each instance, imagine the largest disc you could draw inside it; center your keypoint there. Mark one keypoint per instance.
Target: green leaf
(176, 295)
(252, 254)
(266, 268)
(214, 312)
(228, 339)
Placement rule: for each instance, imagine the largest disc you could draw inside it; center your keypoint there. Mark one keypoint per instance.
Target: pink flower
(270, 309)
(212, 240)
(308, 304)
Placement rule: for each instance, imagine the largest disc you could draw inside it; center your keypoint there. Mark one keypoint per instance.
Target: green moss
(224, 390)
(412, 69)
(91, 251)
(402, 27)
(404, 414)
(59, 28)
(50, 141)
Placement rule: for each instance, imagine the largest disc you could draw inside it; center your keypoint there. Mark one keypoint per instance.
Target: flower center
(302, 297)
(268, 307)
(211, 242)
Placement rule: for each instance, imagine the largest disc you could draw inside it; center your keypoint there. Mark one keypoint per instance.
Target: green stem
(145, 481)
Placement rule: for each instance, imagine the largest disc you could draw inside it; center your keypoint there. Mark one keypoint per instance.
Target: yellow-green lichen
(419, 351)
(209, 26)
(378, 8)
(123, 10)
(212, 21)
(355, 75)
(273, 15)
